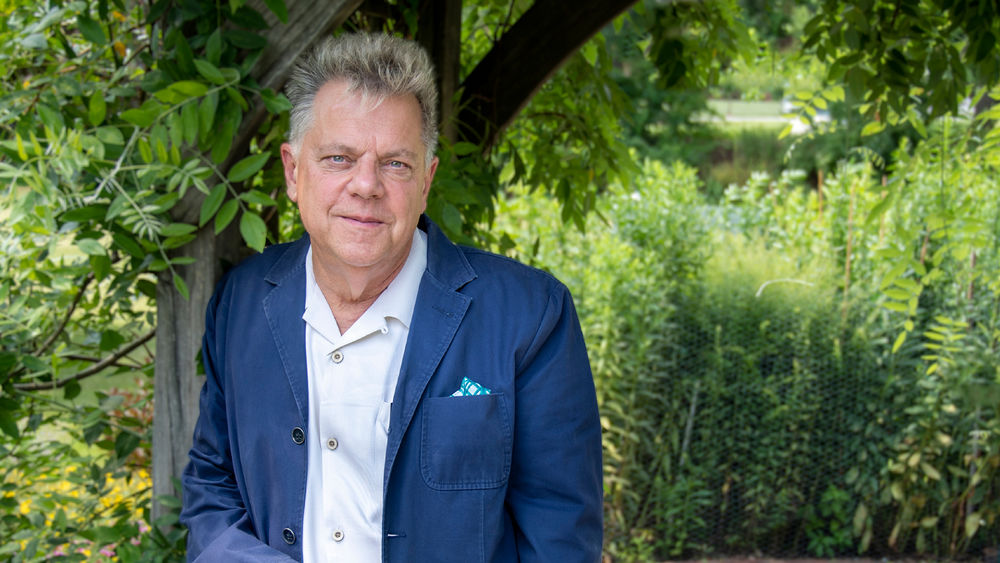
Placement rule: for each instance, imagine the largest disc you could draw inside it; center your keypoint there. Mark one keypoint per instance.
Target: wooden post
(180, 322)
(439, 30)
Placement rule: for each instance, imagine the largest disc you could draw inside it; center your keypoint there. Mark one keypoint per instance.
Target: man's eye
(338, 158)
(396, 164)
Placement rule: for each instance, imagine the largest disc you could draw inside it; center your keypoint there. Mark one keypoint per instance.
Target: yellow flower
(25, 506)
(118, 15)
(119, 48)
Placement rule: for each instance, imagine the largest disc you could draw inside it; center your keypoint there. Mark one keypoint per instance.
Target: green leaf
(223, 140)
(181, 91)
(98, 108)
(247, 167)
(91, 247)
(245, 39)
(129, 245)
(278, 8)
(101, 266)
(126, 442)
(111, 339)
(181, 286)
(275, 103)
(897, 294)
(930, 471)
(257, 197)
(35, 41)
(145, 151)
(91, 30)
(213, 47)
(72, 390)
(206, 115)
(463, 148)
(226, 214)
(189, 123)
(110, 136)
(899, 343)
(8, 424)
(972, 523)
(253, 230)
(209, 71)
(211, 204)
(177, 229)
(895, 306)
(145, 115)
(872, 128)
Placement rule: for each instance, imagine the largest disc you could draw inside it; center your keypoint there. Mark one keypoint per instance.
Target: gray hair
(376, 65)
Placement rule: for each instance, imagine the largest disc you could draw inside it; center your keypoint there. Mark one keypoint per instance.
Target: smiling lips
(362, 219)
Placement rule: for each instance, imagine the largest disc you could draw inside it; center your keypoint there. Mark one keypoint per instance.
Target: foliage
(910, 61)
(117, 152)
(117, 121)
(793, 371)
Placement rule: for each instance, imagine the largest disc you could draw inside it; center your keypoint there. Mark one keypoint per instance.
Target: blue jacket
(510, 476)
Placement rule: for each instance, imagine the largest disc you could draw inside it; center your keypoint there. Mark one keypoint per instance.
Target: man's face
(359, 179)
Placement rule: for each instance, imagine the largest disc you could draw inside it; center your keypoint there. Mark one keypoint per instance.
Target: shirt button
(337, 357)
(288, 535)
(298, 435)
(338, 536)
(332, 443)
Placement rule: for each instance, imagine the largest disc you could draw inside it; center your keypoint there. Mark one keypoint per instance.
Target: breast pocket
(465, 442)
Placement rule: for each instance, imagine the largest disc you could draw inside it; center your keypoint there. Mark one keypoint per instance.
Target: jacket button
(288, 535)
(298, 436)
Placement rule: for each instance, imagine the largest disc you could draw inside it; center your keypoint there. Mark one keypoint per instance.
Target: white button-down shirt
(352, 379)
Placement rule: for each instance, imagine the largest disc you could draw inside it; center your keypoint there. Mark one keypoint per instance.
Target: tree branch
(92, 370)
(62, 325)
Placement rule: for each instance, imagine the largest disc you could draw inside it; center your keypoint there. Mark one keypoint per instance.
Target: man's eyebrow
(405, 153)
(334, 148)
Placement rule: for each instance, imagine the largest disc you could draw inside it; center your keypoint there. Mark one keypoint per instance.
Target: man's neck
(350, 291)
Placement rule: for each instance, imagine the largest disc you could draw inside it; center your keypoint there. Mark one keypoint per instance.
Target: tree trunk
(180, 322)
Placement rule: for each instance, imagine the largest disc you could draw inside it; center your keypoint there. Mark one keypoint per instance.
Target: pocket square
(470, 387)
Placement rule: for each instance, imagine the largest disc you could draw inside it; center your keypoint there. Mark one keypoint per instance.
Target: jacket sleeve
(219, 526)
(556, 488)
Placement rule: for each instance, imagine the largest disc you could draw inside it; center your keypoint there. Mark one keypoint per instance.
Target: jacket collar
(438, 313)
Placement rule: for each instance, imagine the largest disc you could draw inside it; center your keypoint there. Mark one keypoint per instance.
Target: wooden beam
(524, 58)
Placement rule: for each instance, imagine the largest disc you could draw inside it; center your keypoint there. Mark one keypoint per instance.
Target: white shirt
(352, 379)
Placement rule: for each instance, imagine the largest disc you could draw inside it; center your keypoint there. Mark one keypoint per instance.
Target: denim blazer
(514, 475)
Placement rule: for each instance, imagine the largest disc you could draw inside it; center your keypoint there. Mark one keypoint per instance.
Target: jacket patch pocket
(465, 442)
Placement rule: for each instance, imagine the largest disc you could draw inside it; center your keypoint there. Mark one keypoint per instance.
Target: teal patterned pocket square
(470, 387)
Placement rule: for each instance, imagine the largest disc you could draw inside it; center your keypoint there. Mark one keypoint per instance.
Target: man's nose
(365, 183)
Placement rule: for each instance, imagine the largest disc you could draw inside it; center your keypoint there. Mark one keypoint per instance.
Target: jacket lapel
(437, 315)
(283, 306)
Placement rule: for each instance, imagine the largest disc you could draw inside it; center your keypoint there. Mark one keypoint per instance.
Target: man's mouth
(362, 219)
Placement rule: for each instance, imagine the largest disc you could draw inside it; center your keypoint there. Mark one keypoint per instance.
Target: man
(373, 391)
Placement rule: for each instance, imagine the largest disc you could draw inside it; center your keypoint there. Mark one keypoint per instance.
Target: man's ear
(290, 162)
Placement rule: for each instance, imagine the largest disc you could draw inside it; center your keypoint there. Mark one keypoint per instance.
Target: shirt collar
(397, 301)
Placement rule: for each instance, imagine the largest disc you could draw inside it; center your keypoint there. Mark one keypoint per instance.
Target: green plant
(828, 524)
